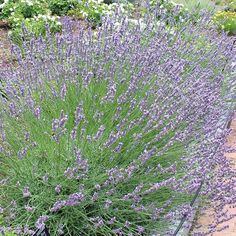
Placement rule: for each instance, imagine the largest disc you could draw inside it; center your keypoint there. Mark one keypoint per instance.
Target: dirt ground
(205, 219)
(4, 45)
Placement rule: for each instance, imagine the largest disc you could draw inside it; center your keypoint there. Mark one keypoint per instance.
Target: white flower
(4, 4)
(84, 14)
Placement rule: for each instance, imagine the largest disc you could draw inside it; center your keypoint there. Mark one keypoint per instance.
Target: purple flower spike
(63, 92)
(37, 112)
(58, 205)
(26, 192)
(75, 199)
(58, 188)
(1, 210)
(40, 223)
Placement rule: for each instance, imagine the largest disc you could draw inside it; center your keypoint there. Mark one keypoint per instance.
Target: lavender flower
(27, 230)
(58, 205)
(111, 221)
(95, 196)
(22, 153)
(58, 188)
(140, 229)
(108, 203)
(98, 222)
(40, 223)
(63, 119)
(63, 92)
(26, 192)
(75, 199)
(18, 230)
(37, 112)
(60, 230)
(73, 134)
(98, 186)
(99, 133)
(29, 208)
(45, 178)
(79, 114)
(27, 136)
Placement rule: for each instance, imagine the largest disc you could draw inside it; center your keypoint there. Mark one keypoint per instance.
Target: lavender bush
(111, 132)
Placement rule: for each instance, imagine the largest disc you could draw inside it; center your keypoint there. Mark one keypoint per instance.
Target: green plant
(35, 14)
(196, 5)
(31, 8)
(232, 5)
(5, 233)
(93, 10)
(28, 8)
(15, 20)
(226, 21)
(93, 139)
(1, 4)
(7, 7)
(169, 9)
(36, 26)
(60, 7)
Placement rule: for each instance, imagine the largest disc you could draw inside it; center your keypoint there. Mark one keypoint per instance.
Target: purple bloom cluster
(40, 223)
(26, 192)
(58, 126)
(73, 200)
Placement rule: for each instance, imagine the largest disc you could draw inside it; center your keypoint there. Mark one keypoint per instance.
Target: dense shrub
(232, 6)
(95, 10)
(27, 8)
(59, 7)
(35, 13)
(226, 21)
(35, 26)
(111, 132)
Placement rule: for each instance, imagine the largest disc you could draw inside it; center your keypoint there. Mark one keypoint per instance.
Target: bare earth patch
(4, 45)
(205, 219)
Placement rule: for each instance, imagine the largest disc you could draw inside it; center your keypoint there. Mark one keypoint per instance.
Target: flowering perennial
(122, 127)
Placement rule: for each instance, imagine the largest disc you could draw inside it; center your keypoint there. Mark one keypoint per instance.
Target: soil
(205, 219)
(4, 45)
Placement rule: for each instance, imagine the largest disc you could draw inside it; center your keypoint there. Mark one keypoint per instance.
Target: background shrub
(35, 26)
(226, 21)
(60, 8)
